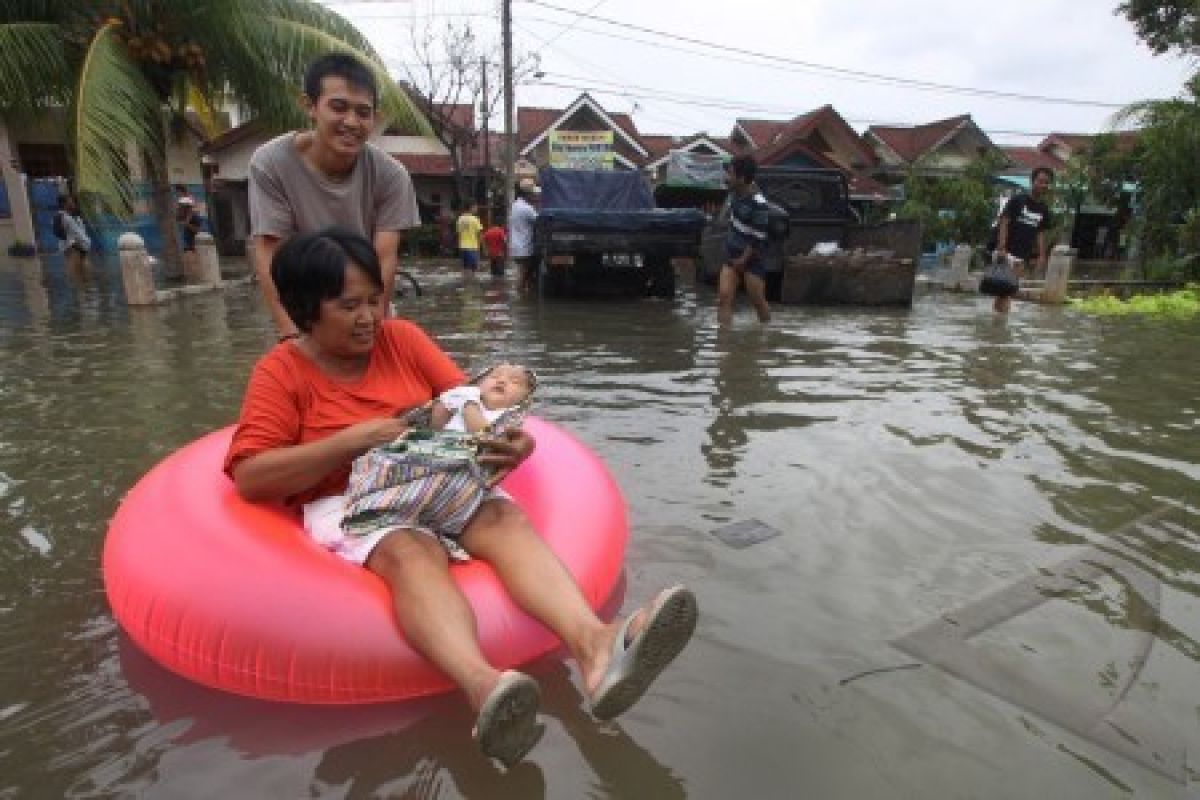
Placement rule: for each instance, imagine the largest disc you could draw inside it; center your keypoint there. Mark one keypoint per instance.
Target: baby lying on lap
(429, 478)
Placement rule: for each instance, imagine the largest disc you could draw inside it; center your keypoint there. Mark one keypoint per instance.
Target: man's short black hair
(339, 65)
(745, 167)
(311, 267)
(1039, 171)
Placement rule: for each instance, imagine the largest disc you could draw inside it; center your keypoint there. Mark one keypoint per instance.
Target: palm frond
(114, 108)
(34, 72)
(314, 15)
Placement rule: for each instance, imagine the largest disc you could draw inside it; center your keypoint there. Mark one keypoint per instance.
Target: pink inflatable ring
(235, 596)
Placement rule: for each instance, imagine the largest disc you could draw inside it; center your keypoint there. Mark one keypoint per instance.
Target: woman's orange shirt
(290, 401)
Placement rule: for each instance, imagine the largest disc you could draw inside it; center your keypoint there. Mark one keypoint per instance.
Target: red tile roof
(910, 143)
(658, 145)
(532, 122)
(805, 124)
(761, 131)
(1126, 140)
(1025, 159)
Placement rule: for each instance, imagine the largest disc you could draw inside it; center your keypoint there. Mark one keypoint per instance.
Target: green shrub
(1182, 303)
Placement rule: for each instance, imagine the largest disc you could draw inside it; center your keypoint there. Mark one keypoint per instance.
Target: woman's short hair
(311, 267)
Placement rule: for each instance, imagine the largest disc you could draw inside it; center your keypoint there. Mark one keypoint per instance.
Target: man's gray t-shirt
(289, 197)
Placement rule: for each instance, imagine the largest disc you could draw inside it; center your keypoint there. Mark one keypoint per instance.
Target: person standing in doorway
(304, 181)
(1021, 229)
(468, 228)
(746, 242)
(521, 221)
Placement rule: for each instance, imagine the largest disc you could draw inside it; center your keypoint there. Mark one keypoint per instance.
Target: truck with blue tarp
(599, 231)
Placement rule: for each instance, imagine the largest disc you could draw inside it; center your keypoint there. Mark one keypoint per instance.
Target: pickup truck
(599, 232)
(807, 205)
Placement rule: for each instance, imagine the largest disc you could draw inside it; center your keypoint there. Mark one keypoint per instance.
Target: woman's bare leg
(502, 535)
(432, 611)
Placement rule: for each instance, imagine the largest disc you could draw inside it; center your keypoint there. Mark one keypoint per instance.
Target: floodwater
(927, 467)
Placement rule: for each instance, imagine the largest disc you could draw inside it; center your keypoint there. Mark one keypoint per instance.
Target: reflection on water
(915, 461)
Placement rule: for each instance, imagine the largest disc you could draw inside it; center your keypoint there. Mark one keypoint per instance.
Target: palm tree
(127, 70)
(1168, 152)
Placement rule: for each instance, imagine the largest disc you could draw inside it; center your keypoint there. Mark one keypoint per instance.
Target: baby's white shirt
(457, 398)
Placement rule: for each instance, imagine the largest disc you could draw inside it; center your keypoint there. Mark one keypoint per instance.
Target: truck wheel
(554, 283)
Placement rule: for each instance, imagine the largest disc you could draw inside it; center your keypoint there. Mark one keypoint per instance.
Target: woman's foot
(507, 727)
(640, 648)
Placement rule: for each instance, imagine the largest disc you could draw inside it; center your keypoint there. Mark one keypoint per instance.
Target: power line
(597, 68)
(623, 91)
(843, 72)
(568, 28)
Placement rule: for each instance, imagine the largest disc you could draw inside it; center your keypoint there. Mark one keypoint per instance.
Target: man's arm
(387, 248)
(1002, 236)
(264, 253)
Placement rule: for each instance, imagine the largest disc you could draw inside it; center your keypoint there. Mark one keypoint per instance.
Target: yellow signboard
(581, 149)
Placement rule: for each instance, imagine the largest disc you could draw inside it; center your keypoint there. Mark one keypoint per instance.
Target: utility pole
(487, 149)
(509, 154)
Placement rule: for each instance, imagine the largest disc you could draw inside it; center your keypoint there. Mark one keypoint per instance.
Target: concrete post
(18, 199)
(960, 264)
(136, 271)
(1058, 272)
(207, 264)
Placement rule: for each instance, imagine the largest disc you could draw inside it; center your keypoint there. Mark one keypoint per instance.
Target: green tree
(952, 209)
(1165, 24)
(1098, 174)
(1169, 150)
(127, 70)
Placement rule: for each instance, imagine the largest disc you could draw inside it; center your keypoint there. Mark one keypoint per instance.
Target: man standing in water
(521, 221)
(468, 227)
(746, 242)
(1022, 225)
(303, 181)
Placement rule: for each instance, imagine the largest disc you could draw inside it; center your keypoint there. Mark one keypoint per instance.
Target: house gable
(700, 144)
(948, 145)
(823, 137)
(586, 115)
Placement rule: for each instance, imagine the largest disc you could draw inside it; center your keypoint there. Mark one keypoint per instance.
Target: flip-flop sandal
(507, 727)
(635, 664)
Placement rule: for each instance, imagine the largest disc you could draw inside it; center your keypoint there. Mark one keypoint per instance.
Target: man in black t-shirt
(1022, 227)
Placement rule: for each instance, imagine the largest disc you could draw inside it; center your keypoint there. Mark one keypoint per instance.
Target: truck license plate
(622, 260)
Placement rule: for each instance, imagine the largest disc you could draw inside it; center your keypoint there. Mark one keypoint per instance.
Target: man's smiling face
(343, 116)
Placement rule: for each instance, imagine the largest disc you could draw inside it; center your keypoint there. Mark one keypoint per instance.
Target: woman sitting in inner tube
(316, 403)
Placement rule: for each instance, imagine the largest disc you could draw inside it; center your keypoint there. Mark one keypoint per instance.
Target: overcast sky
(774, 59)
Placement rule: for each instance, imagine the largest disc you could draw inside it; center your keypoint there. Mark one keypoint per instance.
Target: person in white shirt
(520, 232)
(76, 242)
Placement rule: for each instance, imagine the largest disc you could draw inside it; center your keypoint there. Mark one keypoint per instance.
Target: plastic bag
(1000, 278)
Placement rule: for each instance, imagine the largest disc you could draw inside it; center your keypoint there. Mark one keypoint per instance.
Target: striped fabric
(426, 479)
(396, 489)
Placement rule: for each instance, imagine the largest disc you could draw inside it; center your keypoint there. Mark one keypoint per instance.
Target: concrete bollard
(1058, 273)
(136, 271)
(960, 265)
(207, 264)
